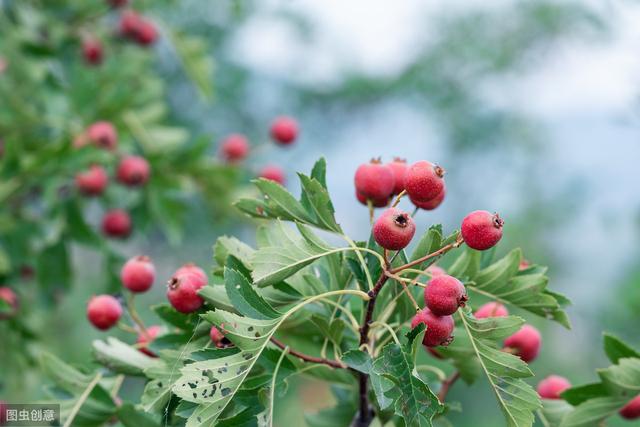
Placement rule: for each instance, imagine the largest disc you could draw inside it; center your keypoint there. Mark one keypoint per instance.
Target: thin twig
(83, 397)
(306, 357)
(134, 315)
(446, 385)
(395, 203)
(437, 253)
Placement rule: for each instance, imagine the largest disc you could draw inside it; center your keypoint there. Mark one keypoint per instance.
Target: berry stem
(443, 250)
(131, 308)
(395, 203)
(405, 288)
(127, 328)
(371, 211)
(308, 358)
(446, 385)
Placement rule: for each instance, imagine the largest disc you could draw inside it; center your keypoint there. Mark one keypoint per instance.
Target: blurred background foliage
(521, 101)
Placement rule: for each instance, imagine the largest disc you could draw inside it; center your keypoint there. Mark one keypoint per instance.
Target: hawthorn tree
(355, 311)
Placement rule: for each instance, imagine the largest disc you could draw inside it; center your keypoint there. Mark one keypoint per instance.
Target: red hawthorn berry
(104, 311)
(524, 264)
(439, 328)
(216, 337)
(444, 294)
(273, 173)
(552, 386)
(116, 223)
(129, 23)
(234, 148)
(435, 271)
(146, 34)
(133, 171)
(424, 181)
(92, 51)
(375, 203)
(182, 292)
(93, 181)
(481, 230)
(430, 204)
(103, 135)
(191, 268)
(117, 3)
(284, 130)
(631, 410)
(138, 274)
(145, 339)
(9, 296)
(374, 181)
(394, 229)
(491, 309)
(525, 343)
(399, 169)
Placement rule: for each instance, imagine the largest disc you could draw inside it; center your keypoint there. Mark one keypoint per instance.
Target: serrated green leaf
(516, 399)
(316, 200)
(273, 264)
(623, 378)
(245, 299)
(553, 411)
(467, 264)
(226, 246)
(166, 312)
(129, 416)
(616, 349)
(578, 394)
(593, 411)
(121, 357)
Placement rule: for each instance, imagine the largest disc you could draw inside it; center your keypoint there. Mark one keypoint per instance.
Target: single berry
(133, 171)
(117, 3)
(444, 294)
(284, 130)
(525, 343)
(129, 23)
(631, 410)
(216, 337)
(491, 309)
(375, 203)
(394, 229)
(103, 134)
(424, 181)
(552, 386)
(9, 296)
(183, 292)
(138, 274)
(481, 230)
(399, 169)
(116, 223)
(146, 33)
(234, 148)
(524, 264)
(191, 268)
(273, 173)
(439, 328)
(92, 182)
(436, 271)
(430, 204)
(145, 339)
(104, 311)
(92, 51)
(374, 181)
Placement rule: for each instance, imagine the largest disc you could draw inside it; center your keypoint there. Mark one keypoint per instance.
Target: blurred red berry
(284, 130)
(104, 311)
(138, 274)
(116, 223)
(399, 169)
(103, 134)
(92, 51)
(374, 181)
(92, 182)
(133, 171)
(9, 296)
(482, 230)
(145, 339)
(234, 148)
(491, 309)
(525, 343)
(273, 173)
(552, 386)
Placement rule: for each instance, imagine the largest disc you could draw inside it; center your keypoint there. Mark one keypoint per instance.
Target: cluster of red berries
(235, 147)
(377, 183)
(137, 276)
(443, 296)
(132, 26)
(132, 171)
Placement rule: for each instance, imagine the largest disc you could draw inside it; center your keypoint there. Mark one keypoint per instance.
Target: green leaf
(593, 411)
(553, 411)
(578, 394)
(121, 357)
(226, 246)
(273, 264)
(197, 64)
(358, 360)
(340, 415)
(623, 378)
(166, 312)
(130, 417)
(502, 281)
(317, 202)
(245, 299)
(414, 401)
(504, 371)
(319, 171)
(467, 264)
(616, 349)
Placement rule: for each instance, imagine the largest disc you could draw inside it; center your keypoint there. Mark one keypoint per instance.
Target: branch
(306, 357)
(446, 385)
(443, 250)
